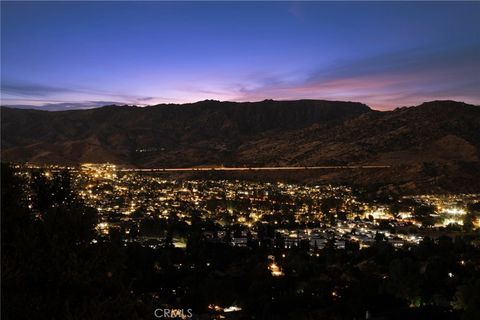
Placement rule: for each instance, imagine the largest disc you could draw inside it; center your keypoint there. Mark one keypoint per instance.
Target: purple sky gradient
(64, 55)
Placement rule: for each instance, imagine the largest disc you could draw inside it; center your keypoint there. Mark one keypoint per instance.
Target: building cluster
(451, 208)
(243, 213)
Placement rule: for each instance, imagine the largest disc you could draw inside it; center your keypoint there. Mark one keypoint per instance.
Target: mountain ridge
(434, 143)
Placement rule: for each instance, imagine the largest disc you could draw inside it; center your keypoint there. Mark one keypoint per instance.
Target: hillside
(434, 146)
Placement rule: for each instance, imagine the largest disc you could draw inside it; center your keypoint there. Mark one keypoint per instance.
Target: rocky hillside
(434, 146)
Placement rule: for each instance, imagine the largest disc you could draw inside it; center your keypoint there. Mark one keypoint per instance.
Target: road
(253, 168)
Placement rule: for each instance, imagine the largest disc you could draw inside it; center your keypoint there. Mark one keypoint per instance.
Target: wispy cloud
(24, 94)
(62, 106)
(31, 89)
(384, 81)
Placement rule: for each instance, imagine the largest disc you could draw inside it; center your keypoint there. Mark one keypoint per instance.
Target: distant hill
(433, 147)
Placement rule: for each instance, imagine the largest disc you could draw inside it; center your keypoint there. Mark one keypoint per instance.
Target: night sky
(63, 55)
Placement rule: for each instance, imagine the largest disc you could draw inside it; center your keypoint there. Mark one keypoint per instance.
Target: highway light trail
(253, 168)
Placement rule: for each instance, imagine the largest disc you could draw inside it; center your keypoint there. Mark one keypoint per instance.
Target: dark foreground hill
(432, 147)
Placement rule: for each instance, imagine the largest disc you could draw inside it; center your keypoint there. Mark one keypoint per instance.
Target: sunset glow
(386, 55)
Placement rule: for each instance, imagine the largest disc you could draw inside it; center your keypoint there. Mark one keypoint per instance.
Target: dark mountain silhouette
(433, 147)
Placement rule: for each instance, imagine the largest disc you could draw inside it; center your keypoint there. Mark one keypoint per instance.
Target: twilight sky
(63, 55)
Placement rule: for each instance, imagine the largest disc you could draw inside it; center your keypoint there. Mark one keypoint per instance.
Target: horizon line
(78, 106)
